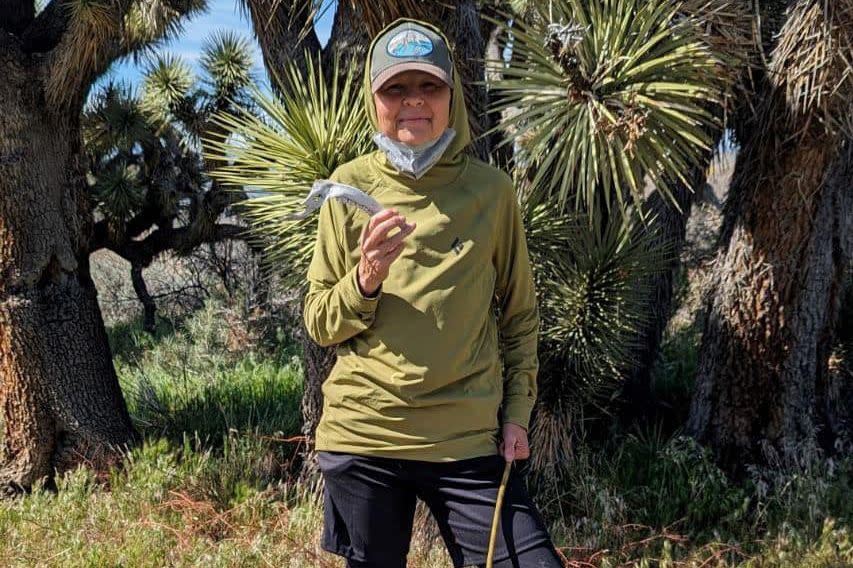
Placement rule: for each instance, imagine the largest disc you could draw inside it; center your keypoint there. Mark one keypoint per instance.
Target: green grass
(189, 380)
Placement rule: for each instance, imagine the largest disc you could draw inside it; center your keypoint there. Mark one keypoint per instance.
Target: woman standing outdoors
(417, 298)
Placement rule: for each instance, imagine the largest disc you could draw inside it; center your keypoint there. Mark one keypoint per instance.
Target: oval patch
(409, 43)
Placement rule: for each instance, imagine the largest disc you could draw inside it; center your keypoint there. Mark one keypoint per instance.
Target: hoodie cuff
(364, 306)
(517, 410)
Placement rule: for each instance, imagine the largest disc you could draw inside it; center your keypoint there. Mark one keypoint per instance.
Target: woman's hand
(514, 444)
(378, 250)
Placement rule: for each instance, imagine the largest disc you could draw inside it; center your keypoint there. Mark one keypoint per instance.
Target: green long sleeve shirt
(419, 372)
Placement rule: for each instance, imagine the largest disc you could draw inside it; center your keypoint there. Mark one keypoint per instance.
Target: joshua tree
(603, 97)
(145, 170)
(785, 245)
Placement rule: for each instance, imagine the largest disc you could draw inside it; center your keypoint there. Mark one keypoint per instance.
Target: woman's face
(413, 107)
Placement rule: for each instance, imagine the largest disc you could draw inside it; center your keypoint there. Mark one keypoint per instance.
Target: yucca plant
(278, 153)
(593, 299)
(127, 152)
(605, 95)
(604, 100)
(593, 302)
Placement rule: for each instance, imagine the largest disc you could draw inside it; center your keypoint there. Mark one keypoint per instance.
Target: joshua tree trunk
(318, 362)
(283, 32)
(149, 306)
(784, 252)
(770, 321)
(59, 393)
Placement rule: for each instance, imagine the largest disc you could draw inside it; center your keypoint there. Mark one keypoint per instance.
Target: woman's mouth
(413, 121)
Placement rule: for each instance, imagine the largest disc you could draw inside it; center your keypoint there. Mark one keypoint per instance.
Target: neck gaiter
(414, 161)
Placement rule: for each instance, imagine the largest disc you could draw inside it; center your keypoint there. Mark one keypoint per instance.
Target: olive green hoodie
(418, 372)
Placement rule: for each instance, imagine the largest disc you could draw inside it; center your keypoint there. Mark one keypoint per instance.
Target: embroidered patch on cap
(409, 43)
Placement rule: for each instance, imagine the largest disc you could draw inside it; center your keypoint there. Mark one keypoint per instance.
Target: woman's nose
(413, 100)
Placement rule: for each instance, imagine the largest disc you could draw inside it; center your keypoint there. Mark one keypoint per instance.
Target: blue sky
(224, 15)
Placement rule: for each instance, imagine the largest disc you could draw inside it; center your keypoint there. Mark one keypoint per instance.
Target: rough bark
(470, 36)
(834, 391)
(284, 33)
(349, 41)
(318, 362)
(778, 278)
(775, 299)
(59, 393)
(149, 306)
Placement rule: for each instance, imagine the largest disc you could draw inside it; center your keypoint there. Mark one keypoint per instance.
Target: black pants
(370, 504)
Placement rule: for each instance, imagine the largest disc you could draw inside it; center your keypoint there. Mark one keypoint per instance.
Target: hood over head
(453, 157)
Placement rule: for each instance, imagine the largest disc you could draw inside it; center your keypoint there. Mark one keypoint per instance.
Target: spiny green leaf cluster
(172, 93)
(603, 96)
(592, 285)
(143, 146)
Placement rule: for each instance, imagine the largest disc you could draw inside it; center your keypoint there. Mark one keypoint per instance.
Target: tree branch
(349, 40)
(284, 33)
(163, 239)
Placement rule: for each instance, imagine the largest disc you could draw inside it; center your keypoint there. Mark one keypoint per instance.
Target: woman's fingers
(378, 238)
(379, 217)
(393, 242)
(392, 254)
(380, 232)
(378, 250)
(363, 234)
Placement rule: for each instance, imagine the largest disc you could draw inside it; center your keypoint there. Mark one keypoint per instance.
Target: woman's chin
(415, 138)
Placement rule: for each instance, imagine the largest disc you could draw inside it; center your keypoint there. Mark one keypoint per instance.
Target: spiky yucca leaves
(172, 92)
(119, 192)
(227, 59)
(97, 32)
(114, 121)
(729, 29)
(149, 21)
(296, 140)
(115, 134)
(608, 92)
(166, 85)
(593, 301)
(131, 158)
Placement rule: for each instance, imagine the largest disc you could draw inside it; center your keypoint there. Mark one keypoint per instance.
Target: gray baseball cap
(409, 46)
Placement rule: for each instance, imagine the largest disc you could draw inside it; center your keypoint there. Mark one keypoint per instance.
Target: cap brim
(386, 74)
